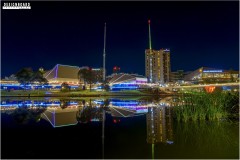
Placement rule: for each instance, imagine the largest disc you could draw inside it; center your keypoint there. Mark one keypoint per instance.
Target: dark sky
(197, 33)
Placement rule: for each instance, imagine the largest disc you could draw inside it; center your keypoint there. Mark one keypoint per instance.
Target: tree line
(28, 76)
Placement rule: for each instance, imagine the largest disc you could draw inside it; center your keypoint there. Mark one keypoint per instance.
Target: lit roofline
(117, 78)
(68, 65)
(50, 71)
(56, 71)
(124, 80)
(58, 125)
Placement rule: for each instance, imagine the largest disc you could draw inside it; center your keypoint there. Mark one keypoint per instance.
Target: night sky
(197, 33)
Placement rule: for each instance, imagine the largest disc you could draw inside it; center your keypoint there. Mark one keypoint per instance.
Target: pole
(103, 129)
(149, 32)
(104, 53)
(150, 49)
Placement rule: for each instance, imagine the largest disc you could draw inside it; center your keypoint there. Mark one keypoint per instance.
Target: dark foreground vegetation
(207, 106)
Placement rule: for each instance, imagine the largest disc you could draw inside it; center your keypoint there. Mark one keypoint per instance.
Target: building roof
(61, 117)
(62, 72)
(207, 70)
(123, 77)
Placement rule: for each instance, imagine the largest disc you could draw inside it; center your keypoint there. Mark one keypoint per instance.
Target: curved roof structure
(197, 74)
(125, 78)
(59, 117)
(62, 73)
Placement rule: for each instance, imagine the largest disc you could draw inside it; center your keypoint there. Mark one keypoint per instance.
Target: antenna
(149, 32)
(104, 53)
(150, 49)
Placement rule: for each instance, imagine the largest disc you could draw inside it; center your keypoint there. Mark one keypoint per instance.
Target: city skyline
(197, 33)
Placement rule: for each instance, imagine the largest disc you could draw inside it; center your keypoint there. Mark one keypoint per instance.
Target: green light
(149, 30)
(152, 151)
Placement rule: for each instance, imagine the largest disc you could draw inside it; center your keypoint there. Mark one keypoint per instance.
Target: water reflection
(59, 117)
(159, 125)
(161, 130)
(89, 113)
(60, 113)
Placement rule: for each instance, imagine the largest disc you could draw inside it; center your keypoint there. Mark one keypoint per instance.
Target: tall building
(157, 65)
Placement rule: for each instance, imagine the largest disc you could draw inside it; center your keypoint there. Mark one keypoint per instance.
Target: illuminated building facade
(63, 73)
(98, 73)
(125, 81)
(159, 125)
(205, 75)
(178, 76)
(157, 65)
(69, 74)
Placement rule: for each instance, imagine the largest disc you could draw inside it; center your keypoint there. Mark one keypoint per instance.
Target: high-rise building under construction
(157, 63)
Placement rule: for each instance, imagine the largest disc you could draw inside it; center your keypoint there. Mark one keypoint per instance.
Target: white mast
(150, 49)
(104, 53)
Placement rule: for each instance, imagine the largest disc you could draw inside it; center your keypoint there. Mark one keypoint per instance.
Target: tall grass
(205, 106)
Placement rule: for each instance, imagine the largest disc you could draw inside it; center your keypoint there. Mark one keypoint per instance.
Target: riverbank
(83, 93)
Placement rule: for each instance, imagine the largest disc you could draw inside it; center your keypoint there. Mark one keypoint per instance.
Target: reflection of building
(59, 117)
(159, 125)
(157, 65)
(125, 81)
(205, 74)
(125, 108)
(63, 73)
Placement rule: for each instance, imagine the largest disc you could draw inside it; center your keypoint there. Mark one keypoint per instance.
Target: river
(112, 128)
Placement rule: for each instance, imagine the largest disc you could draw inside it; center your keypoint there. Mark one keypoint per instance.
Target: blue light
(124, 86)
(56, 71)
(212, 71)
(169, 142)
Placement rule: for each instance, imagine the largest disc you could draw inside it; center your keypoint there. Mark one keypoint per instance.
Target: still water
(109, 128)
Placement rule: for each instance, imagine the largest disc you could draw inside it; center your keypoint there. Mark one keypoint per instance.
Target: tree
(105, 86)
(87, 113)
(65, 86)
(38, 77)
(24, 76)
(88, 76)
(27, 76)
(82, 74)
(64, 104)
(26, 114)
(231, 75)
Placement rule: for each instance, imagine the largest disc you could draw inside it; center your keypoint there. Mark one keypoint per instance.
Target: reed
(205, 106)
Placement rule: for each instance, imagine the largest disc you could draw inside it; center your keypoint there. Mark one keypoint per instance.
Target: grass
(206, 106)
(22, 92)
(71, 93)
